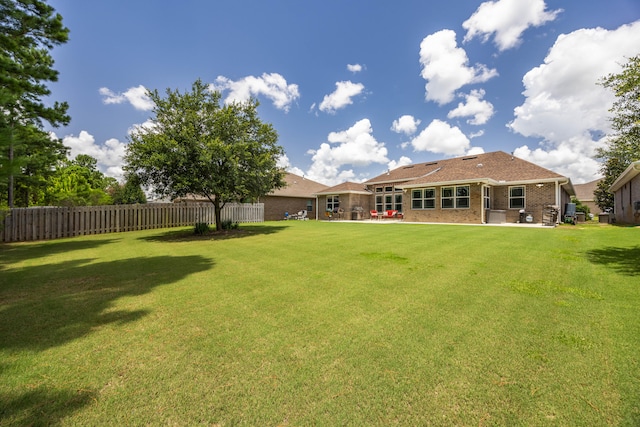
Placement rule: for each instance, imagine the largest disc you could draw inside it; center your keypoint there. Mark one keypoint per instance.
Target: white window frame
(423, 192)
(333, 203)
(523, 196)
(455, 198)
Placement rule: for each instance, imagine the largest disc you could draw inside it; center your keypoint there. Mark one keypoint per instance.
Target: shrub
(230, 225)
(201, 228)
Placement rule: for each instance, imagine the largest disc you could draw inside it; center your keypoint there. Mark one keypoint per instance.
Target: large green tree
(29, 29)
(623, 145)
(78, 182)
(197, 146)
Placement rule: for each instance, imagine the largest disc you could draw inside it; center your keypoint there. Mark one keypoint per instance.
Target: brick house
(484, 188)
(584, 193)
(626, 194)
(297, 195)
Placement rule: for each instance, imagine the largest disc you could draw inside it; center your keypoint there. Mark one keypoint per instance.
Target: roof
(297, 186)
(497, 168)
(626, 176)
(584, 192)
(346, 187)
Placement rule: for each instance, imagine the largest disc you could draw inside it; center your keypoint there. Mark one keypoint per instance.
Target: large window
(388, 198)
(486, 194)
(455, 197)
(516, 197)
(423, 198)
(333, 203)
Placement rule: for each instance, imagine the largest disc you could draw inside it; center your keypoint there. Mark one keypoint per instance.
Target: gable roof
(496, 168)
(584, 192)
(344, 188)
(297, 186)
(626, 176)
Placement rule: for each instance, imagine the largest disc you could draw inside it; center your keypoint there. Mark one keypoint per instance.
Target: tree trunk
(217, 207)
(10, 187)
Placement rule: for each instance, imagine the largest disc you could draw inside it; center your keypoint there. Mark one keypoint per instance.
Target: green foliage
(623, 146)
(78, 183)
(580, 207)
(196, 146)
(29, 29)
(230, 225)
(128, 194)
(201, 228)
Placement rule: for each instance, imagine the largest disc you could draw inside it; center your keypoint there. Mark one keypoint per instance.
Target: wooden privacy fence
(42, 223)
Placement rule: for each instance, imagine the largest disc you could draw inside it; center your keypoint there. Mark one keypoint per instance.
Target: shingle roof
(345, 187)
(496, 166)
(298, 186)
(584, 192)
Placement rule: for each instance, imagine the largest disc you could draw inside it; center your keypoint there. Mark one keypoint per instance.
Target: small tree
(623, 146)
(196, 146)
(128, 193)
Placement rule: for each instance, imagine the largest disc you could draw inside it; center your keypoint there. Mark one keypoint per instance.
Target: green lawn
(312, 323)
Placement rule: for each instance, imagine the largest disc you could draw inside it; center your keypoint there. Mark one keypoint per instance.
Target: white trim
(626, 176)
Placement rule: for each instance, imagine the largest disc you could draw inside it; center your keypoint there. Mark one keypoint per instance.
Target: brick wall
(536, 198)
(276, 206)
(624, 198)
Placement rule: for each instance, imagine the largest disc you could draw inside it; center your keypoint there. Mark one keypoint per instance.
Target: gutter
(626, 176)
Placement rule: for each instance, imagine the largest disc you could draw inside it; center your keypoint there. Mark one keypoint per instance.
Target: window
(398, 202)
(388, 205)
(516, 197)
(487, 197)
(333, 203)
(379, 203)
(455, 197)
(423, 199)
(309, 205)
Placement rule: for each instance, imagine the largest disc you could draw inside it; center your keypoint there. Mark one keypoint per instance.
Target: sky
(355, 88)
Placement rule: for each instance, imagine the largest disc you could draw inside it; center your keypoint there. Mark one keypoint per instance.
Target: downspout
(482, 208)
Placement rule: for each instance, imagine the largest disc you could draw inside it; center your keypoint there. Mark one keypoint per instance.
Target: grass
(311, 323)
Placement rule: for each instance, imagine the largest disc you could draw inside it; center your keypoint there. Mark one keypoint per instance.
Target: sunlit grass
(304, 323)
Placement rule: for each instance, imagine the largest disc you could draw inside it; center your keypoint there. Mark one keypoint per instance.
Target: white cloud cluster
(406, 124)
(446, 67)
(440, 137)
(271, 85)
(475, 107)
(356, 146)
(354, 68)
(109, 155)
(507, 20)
(341, 97)
(565, 106)
(136, 96)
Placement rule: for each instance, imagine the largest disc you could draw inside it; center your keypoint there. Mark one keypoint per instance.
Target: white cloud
(440, 137)
(284, 163)
(356, 146)
(402, 161)
(507, 20)
(341, 97)
(446, 67)
(136, 96)
(109, 155)
(564, 105)
(475, 107)
(273, 86)
(354, 68)
(567, 159)
(406, 124)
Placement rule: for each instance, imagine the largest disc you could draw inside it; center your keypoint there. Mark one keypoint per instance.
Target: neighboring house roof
(298, 186)
(344, 188)
(496, 168)
(584, 192)
(629, 173)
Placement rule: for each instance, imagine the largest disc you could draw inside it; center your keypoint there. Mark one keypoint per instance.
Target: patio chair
(374, 214)
(570, 213)
(302, 215)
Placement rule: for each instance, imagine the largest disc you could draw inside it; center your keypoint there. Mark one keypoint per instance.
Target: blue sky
(354, 88)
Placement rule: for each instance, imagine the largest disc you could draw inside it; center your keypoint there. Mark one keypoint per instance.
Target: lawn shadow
(41, 406)
(49, 305)
(188, 235)
(12, 252)
(624, 260)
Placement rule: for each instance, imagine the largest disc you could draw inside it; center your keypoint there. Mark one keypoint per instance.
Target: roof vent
(470, 158)
(408, 167)
(479, 165)
(431, 164)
